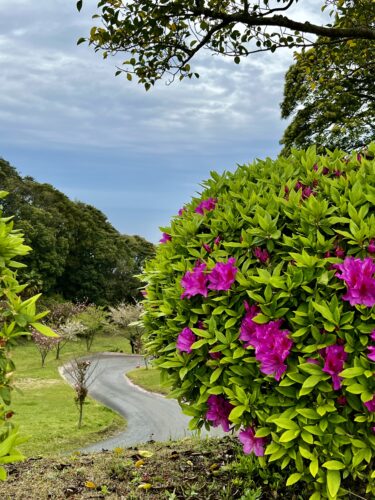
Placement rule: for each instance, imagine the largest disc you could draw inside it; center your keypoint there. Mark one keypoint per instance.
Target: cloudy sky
(67, 120)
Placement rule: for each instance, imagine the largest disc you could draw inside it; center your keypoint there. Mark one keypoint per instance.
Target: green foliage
(94, 320)
(312, 435)
(77, 253)
(16, 315)
(329, 92)
(163, 37)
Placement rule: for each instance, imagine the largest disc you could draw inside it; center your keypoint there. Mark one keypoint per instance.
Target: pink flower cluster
(334, 358)
(272, 345)
(198, 282)
(359, 278)
(207, 205)
(218, 411)
(261, 255)
(165, 237)
(371, 348)
(252, 444)
(185, 340)
(370, 405)
(307, 191)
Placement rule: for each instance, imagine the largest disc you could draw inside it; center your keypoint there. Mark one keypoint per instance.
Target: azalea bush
(16, 315)
(260, 310)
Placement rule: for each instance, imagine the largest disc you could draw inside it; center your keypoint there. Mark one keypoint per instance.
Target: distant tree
(77, 252)
(127, 316)
(44, 344)
(69, 332)
(163, 37)
(330, 94)
(94, 320)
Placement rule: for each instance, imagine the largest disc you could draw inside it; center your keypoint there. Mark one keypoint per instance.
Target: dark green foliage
(76, 252)
(315, 436)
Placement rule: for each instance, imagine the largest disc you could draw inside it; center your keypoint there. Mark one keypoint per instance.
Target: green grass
(149, 380)
(45, 409)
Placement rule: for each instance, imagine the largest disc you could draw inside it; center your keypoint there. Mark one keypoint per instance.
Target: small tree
(69, 332)
(44, 344)
(127, 316)
(94, 319)
(82, 373)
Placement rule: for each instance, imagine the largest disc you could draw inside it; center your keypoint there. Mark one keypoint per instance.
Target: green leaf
(263, 432)
(236, 413)
(355, 371)
(44, 329)
(3, 474)
(215, 375)
(333, 465)
(294, 478)
(314, 468)
(286, 423)
(333, 482)
(289, 436)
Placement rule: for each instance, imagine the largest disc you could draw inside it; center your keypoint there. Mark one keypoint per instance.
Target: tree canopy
(77, 253)
(330, 94)
(162, 37)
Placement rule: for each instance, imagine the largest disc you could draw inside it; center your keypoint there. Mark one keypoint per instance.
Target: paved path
(148, 415)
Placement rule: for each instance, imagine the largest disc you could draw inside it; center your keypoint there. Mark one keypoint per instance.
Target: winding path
(148, 415)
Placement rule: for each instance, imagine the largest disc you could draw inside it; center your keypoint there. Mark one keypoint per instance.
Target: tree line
(77, 253)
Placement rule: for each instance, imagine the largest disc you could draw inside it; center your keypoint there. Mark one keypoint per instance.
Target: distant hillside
(77, 253)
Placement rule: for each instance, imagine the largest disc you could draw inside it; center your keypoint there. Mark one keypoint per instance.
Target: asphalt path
(149, 416)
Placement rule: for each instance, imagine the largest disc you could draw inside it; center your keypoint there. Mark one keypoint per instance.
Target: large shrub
(16, 315)
(260, 309)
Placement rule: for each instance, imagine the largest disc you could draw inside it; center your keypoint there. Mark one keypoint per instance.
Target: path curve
(148, 415)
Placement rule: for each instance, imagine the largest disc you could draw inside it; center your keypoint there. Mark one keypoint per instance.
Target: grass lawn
(148, 379)
(45, 408)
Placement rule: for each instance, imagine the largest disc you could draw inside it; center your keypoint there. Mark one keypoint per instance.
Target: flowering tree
(127, 316)
(93, 319)
(260, 309)
(16, 315)
(44, 344)
(69, 332)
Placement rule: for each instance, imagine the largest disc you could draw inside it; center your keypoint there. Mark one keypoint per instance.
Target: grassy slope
(148, 379)
(45, 408)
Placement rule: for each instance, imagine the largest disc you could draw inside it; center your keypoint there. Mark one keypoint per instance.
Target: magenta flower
(252, 444)
(358, 276)
(298, 185)
(327, 255)
(371, 246)
(307, 192)
(207, 205)
(207, 247)
(223, 275)
(312, 361)
(248, 326)
(372, 336)
(334, 359)
(262, 255)
(272, 345)
(165, 237)
(195, 282)
(315, 167)
(144, 293)
(337, 173)
(371, 354)
(181, 211)
(185, 340)
(217, 241)
(370, 405)
(325, 171)
(218, 411)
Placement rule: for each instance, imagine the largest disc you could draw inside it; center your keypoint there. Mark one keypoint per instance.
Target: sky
(65, 119)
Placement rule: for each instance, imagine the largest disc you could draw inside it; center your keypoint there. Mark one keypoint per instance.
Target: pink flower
(340, 252)
(223, 275)
(370, 405)
(307, 192)
(144, 293)
(207, 247)
(262, 255)
(327, 255)
(315, 167)
(359, 157)
(272, 347)
(371, 354)
(181, 211)
(298, 185)
(165, 237)
(325, 171)
(195, 282)
(334, 359)
(312, 361)
(248, 326)
(371, 246)
(207, 205)
(217, 241)
(359, 280)
(337, 173)
(252, 444)
(372, 336)
(185, 340)
(218, 411)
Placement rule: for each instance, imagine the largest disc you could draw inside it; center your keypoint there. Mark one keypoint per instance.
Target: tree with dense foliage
(77, 252)
(330, 94)
(16, 315)
(260, 310)
(163, 37)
